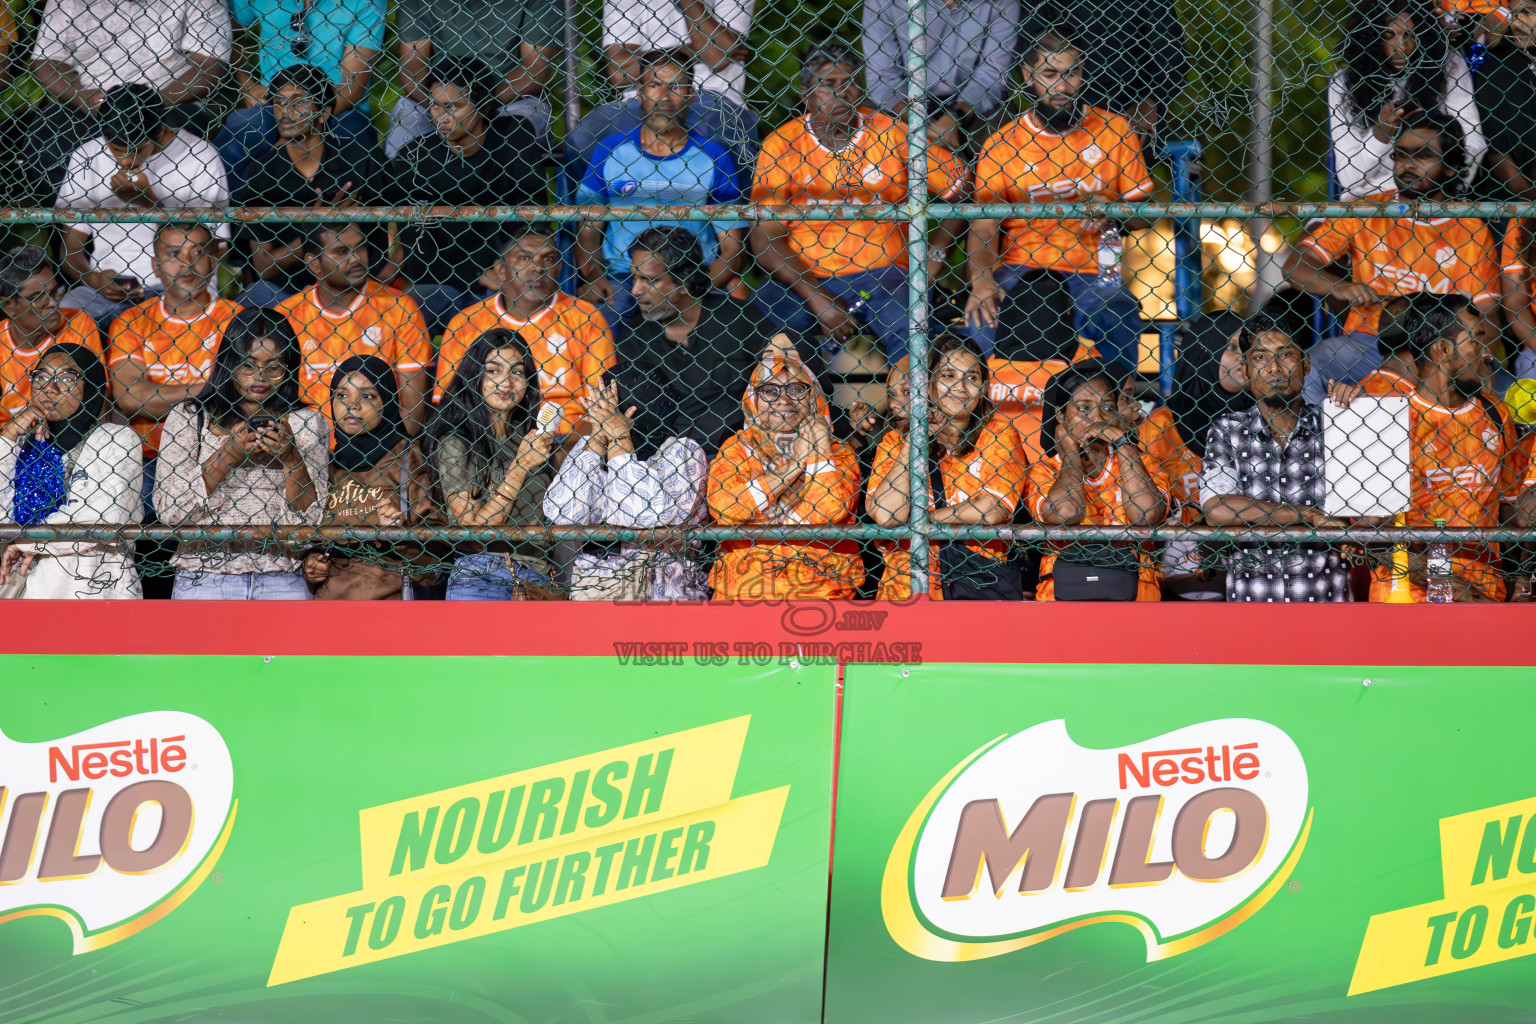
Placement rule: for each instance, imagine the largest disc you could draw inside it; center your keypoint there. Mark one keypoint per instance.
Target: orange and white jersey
(380, 322)
(995, 466)
(1026, 162)
(738, 495)
(1385, 384)
(1104, 506)
(171, 350)
(1017, 389)
(568, 339)
(795, 169)
(16, 363)
(1160, 438)
(1398, 256)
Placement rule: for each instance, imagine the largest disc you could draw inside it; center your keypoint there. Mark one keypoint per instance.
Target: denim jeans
(884, 312)
(1111, 319)
(240, 586)
(101, 309)
(486, 577)
(1525, 363)
(263, 295)
(439, 303)
(247, 129)
(1345, 357)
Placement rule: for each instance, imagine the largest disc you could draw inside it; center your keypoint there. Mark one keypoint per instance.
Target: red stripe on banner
(1171, 633)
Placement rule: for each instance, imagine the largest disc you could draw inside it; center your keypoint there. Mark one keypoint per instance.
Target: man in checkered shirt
(1264, 467)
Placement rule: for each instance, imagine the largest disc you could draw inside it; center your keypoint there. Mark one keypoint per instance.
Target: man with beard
(1044, 293)
(690, 350)
(1392, 257)
(1263, 466)
(1466, 464)
(660, 163)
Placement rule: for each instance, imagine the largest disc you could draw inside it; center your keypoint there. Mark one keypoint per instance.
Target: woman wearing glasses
(785, 468)
(60, 465)
(244, 453)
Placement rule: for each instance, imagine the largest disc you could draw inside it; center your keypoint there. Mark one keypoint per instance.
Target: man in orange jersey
(345, 314)
(568, 337)
(1519, 291)
(1465, 462)
(845, 276)
(34, 323)
(1048, 289)
(162, 349)
(1395, 256)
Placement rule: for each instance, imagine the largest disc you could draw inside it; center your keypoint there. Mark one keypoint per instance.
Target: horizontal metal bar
(969, 211)
(333, 535)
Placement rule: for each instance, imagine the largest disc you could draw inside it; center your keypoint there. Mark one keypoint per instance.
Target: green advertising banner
(1166, 843)
(338, 839)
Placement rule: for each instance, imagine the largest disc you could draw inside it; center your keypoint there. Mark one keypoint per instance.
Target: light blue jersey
(624, 174)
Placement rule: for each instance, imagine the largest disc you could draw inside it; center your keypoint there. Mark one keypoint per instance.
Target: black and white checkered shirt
(1242, 457)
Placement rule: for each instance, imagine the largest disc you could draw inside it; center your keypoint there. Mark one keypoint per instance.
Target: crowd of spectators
(639, 373)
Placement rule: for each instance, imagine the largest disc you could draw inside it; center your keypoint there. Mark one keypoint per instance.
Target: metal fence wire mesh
(679, 299)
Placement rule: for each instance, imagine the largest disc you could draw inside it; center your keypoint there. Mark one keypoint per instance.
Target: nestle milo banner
(298, 839)
(1163, 844)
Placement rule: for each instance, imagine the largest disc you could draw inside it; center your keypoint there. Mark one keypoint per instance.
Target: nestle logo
(120, 758)
(1191, 765)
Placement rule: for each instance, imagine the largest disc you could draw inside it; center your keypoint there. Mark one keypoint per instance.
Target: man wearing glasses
(341, 37)
(34, 323)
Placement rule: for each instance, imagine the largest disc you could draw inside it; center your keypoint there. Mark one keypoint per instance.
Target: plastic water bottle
(1109, 257)
(1437, 571)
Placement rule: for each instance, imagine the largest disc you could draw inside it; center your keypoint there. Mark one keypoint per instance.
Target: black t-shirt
(1503, 87)
(508, 170)
(270, 179)
(694, 390)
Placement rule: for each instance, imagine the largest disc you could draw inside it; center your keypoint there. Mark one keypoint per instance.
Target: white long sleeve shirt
(665, 490)
(104, 487)
(1363, 164)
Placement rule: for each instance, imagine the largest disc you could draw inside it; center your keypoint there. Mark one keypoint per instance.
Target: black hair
(309, 80)
(1433, 318)
(220, 397)
(20, 264)
(184, 226)
(473, 76)
(130, 114)
(463, 412)
(1061, 388)
(1367, 77)
(519, 230)
(312, 236)
(943, 345)
(679, 249)
(1052, 40)
(824, 55)
(1289, 324)
(677, 57)
(1453, 141)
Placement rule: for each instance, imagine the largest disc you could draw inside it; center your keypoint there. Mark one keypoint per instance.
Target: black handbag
(965, 575)
(1081, 581)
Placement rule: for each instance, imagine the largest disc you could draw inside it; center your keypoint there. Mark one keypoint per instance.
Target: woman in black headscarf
(60, 465)
(378, 477)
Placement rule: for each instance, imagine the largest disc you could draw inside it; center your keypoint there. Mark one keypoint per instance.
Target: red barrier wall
(1176, 632)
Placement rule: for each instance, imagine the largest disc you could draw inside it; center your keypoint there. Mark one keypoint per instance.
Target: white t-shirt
(188, 173)
(660, 25)
(118, 42)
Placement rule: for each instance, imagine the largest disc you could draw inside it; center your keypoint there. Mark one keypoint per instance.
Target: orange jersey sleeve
(1332, 238)
(409, 347)
(1479, 277)
(772, 184)
(1133, 181)
(1514, 254)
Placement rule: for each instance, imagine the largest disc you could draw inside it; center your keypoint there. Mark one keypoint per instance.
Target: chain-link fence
(678, 299)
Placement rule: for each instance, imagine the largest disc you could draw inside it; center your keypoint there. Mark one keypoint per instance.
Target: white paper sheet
(1367, 449)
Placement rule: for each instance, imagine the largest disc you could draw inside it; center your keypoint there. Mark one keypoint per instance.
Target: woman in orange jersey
(973, 458)
(1094, 473)
(784, 468)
